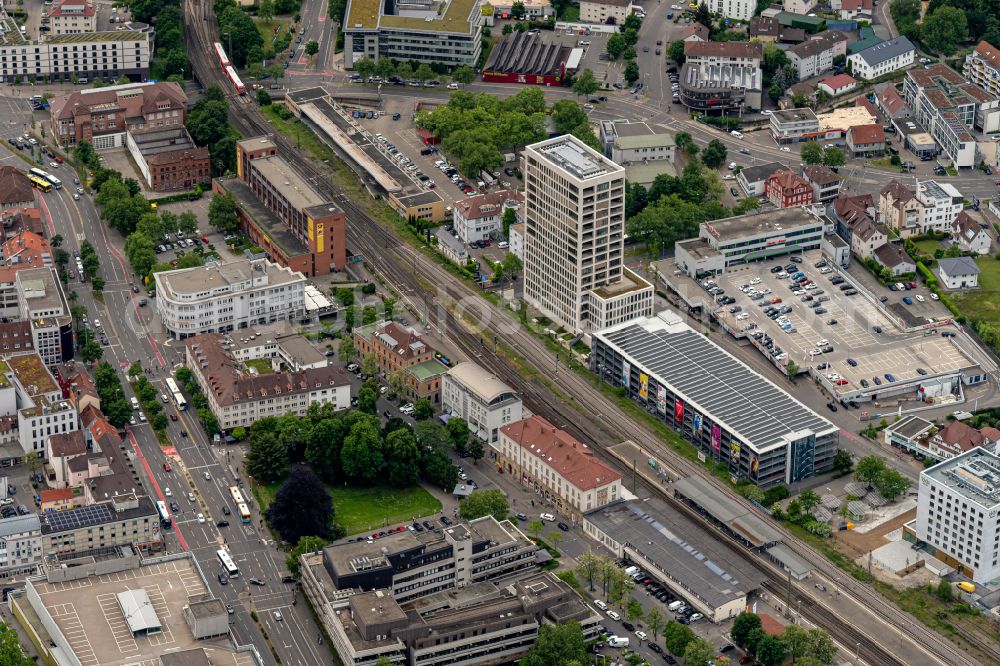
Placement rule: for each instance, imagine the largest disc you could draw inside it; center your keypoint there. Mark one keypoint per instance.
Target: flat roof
(574, 158)
(368, 14)
(212, 276)
(739, 519)
(276, 230)
(109, 36)
(289, 183)
(419, 198)
(699, 248)
(707, 567)
(713, 382)
(760, 222)
(845, 117)
(974, 475)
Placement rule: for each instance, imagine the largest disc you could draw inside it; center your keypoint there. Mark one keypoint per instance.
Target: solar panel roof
(715, 383)
(85, 516)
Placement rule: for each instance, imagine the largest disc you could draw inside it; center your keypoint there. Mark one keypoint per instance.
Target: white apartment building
(556, 464)
(883, 58)
(516, 238)
(798, 6)
(20, 545)
(486, 403)
(982, 67)
(599, 11)
(480, 217)
(815, 56)
(741, 10)
(41, 409)
(238, 397)
(942, 203)
(958, 513)
(574, 226)
(71, 17)
(87, 55)
(43, 303)
(636, 143)
(225, 297)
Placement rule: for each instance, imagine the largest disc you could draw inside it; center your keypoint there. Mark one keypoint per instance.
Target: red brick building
(169, 160)
(785, 189)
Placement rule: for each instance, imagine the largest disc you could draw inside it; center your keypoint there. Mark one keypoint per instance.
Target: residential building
(57, 499)
(168, 159)
(793, 125)
(866, 237)
(71, 17)
(951, 108)
(799, 6)
(226, 297)
(970, 235)
(450, 247)
(282, 212)
(279, 344)
(574, 217)
(891, 103)
(28, 249)
(15, 189)
(866, 39)
(696, 32)
(394, 346)
(942, 203)
(239, 396)
(825, 183)
(882, 58)
(109, 55)
(900, 209)
(721, 75)
(982, 67)
(760, 432)
(611, 12)
(60, 450)
(856, 9)
(124, 521)
(764, 29)
(958, 501)
(895, 259)
(849, 211)
(785, 189)
(753, 178)
(516, 239)
(431, 31)
(740, 10)
(423, 380)
(41, 302)
(734, 241)
(20, 545)
(958, 273)
(839, 84)
(556, 465)
(815, 56)
(533, 9)
(641, 149)
(917, 435)
(487, 404)
(866, 140)
(481, 217)
(103, 116)
(41, 409)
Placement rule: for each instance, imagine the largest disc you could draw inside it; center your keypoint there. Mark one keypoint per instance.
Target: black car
(563, 526)
(222, 523)
(655, 648)
(628, 626)
(225, 510)
(776, 269)
(257, 581)
(427, 525)
(288, 579)
(734, 192)
(446, 520)
(174, 507)
(667, 658)
(521, 516)
(864, 383)
(921, 371)
(832, 407)
(223, 579)
(509, 172)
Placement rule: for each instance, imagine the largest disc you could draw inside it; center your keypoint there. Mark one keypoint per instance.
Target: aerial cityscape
(435, 332)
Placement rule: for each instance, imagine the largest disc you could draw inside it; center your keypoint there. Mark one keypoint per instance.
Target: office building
(42, 302)
(37, 400)
(612, 12)
(481, 217)
(951, 108)
(516, 237)
(71, 17)
(958, 502)
(431, 31)
(487, 404)
(239, 395)
(227, 297)
(793, 125)
(124, 521)
(644, 151)
(168, 159)
(574, 223)
(882, 58)
(394, 346)
(109, 55)
(982, 67)
(282, 212)
(103, 116)
(785, 189)
(15, 189)
(739, 240)
(815, 56)
(556, 465)
(760, 432)
(721, 75)
(20, 545)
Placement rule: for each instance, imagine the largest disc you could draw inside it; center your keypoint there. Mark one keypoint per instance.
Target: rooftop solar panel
(84, 516)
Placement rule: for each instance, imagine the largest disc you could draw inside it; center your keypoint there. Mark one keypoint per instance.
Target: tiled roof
(989, 53)
(55, 495)
(855, 5)
(891, 255)
(787, 180)
(15, 187)
(72, 8)
(891, 100)
(819, 174)
(851, 209)
(898, 192)
(867, 134)
(965, 226)
(696, 30)
(571, 459)
(765, 26)
(958, 266)
(960, 437)
(839, 81)
(823, 41)
(68, 444)
(723, 49)
(486, 205)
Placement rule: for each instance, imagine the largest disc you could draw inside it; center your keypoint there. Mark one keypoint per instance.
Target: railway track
(409, 272)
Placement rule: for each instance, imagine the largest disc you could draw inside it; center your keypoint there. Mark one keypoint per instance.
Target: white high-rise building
(574, 229)
(958, 512)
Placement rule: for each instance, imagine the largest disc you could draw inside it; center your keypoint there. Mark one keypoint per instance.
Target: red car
(204, 239)
(58, 160)
(775, 300)
(173, 417)
(166, 467)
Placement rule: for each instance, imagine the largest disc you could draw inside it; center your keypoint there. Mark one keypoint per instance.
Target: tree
(944, 591)
(463, 74)
(490, 502)
(557, 644)
(699, 651)
(424, 72)
(438, 470)
(811, 153)
(267, 459)
(869, 469)
(686, 143)
(631, 71)
(714, 154)
(222, 212)
(616, 45)
(312, 47)
(833, 157)
(402, 458)
(369, 365)
(655, 622)
(820, 646)
(458, 433)
(743, 625)
(365, 67)
(944, 28)
(263, 97)
(159, 421)
(422, 409)
(676, 637)
(91, 351)
(589, 565)
(703, 15)
(265, 10)
(397, 385)
(306, 544)
(361, 456)
(676, 51)
(842, 462)
(11, 653)
(517, 10)
(808, 500)
(770, 651)
(567, 114)
(302, 507)
(586, 83)
(890, 484)
(795, 640)
(534, 528)
(634, 610)
(346, 350)
(753, 639)
(476, 450)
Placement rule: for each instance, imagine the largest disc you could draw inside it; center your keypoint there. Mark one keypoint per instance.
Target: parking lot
(843, 337)
(921, 307)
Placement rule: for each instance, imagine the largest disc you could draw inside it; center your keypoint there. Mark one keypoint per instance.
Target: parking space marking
(120, 630)
(76, 635)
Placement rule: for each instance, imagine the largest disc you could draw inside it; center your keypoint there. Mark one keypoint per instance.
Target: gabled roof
(823, 41)
(958, 266)
(883, 51)
(890, 255)
(819, 174)
(855, 5)
(765, 26)
(839, 81)
(15, 187)
(989, 53)
(787, 180)
(966, 227)
(960, 437)
(891, 100)
(867, 134)
(852, 208)
(486, 205)
(697, 30)
(898, 192)
(724, 49)
(566, 455)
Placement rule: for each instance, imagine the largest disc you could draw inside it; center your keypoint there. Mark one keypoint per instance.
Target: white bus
(227, 564)
(161, 508)
(56, 183)
(176, 393)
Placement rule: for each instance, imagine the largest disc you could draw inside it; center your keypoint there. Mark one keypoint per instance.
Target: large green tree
(699, 651)
(557, 645)
(489, 502)
(811, 153)
(301, 507)
(361, 456)
(714, 154)
(586, 83)
(11, 653)
(743, 625)
(402, 458)
(944, 28)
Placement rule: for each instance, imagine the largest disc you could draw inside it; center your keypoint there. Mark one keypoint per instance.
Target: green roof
(427, 370)
(367, 331)
(111, 36)
(367, 14)
(799, 20)
(4, 369)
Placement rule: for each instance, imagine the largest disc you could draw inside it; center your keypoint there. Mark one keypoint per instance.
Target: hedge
(932, 284)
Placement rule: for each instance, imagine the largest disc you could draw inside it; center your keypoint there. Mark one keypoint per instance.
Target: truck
(509, 157)
(487, 177)
(618, 641)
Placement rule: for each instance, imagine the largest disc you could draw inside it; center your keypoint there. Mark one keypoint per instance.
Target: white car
(919, 298)
(641, 635)
(786, 149)
(765, 112)
(729, 176)
(695, 617)
(588, 107)
(600, 604)
(201, 518)
(614, 616)
(547, 516)
(6, 501)
(54, 165)
(755, 280)
(167, 493)
(822, 343)
(743, 315)
(934, 297)
(732, 165)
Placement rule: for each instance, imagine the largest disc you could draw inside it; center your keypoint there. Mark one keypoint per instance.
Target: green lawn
(928, 245)
(266, 28)
(366, 509)
(985, 301)
(262, 366)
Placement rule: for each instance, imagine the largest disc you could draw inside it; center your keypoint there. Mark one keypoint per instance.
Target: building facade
(970, 235)
(866, 140)
(469, 392)
(785, 189)
(721, 75)
(109, 55)
(481, 217)
(226, 297)
(612, 12)
(815, 56)
(793, 125)
(629, 143)
(557, 465)
(958, 273)
(394, 346)
(20, 545)
(16, 191)
(31, 391)
(942, 203)
(71, 17)
(125, 521)
(741, 10)
(824, 182)
(882, 58)
(900, 210)
(982, 67)
(168, 159)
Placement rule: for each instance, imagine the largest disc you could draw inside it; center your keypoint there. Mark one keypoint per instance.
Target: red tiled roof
(558, 449)
(55, 495)
(68, 444)
(696, 29)
(856, 4)
(724, 49)
(960, 437)
(965, 226)
(486, 205)
(891, 99)
(819, 174)
(88, 9)
(866, 134)
(787, 180)
(988, 52)
(839, 81)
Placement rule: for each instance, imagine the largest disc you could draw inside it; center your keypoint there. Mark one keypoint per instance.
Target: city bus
(161, 508)
(44, 175)
(227, 564)
(40, 184)
(176, 393)
(241, 505)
